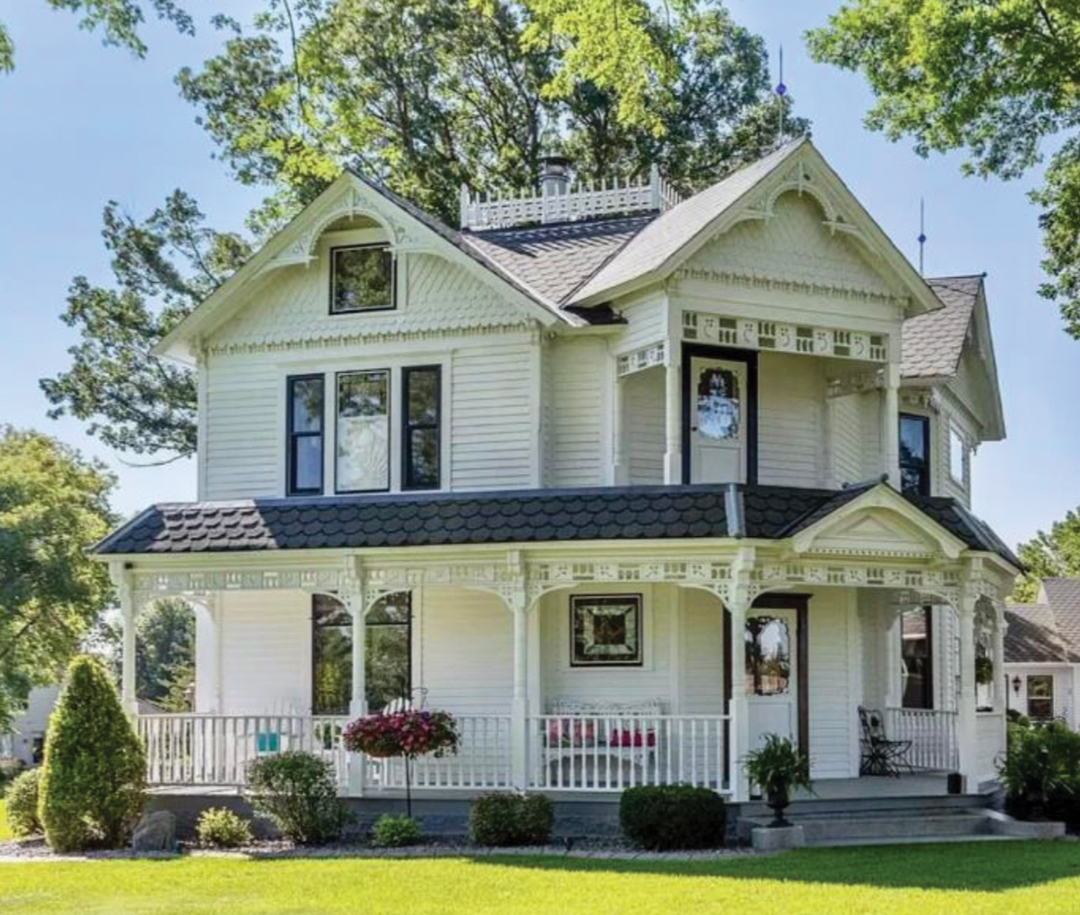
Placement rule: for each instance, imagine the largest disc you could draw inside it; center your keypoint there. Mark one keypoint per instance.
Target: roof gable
(751, 193)
(408, 229)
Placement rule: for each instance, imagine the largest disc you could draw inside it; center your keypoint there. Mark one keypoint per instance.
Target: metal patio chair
(880, 755)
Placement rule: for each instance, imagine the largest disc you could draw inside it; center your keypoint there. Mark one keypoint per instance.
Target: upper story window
(915, 454)
(305, 435)
(363, 431)
(361, 279)
(421, 427)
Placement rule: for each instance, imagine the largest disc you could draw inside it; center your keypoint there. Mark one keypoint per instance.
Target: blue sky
(81, 124)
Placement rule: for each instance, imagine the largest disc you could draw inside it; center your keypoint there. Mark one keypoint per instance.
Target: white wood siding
(832, 622)
(578, 375)
(1063, 688)
(791, 405)
(643, 424)
(646, 316)
(845, 446)
(495, 432)
(702, 673)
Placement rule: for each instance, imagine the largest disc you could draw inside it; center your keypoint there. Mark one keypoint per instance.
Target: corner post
(890, 419)
(354, 596)
(740, 599)
(517, 602)
(673, 459)
(966, 719)
(125, 589)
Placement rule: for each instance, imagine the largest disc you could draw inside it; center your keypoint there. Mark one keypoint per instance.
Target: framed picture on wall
(605, 630)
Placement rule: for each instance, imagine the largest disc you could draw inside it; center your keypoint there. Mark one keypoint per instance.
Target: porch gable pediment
(879, 522)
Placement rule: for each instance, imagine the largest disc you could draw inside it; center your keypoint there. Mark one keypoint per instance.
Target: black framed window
(915, 454)
(361, 279)
(421, 427)
(916, 654)
(306, 399)
(1040, 696)
(388, 653)
(362, 460)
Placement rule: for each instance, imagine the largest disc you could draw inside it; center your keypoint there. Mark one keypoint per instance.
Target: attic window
(361, 279)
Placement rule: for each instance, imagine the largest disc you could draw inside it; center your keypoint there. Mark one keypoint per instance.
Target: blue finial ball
(922, 239)
(781, 89)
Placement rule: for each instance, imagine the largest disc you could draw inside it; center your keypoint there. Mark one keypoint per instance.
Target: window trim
(928, 484)
(389, 372)
(333, 249)
(407, 428)
(291, 490)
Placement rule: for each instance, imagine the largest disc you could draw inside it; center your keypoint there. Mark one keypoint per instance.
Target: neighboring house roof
(522, 516)
(1049, 631)
(933, 342)
(556, 259)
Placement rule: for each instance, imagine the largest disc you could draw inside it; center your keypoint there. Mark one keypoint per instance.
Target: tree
(93, 782)
(120, 20)
(1049, 555)
(165, 654)
(54, 504)
(996, 78)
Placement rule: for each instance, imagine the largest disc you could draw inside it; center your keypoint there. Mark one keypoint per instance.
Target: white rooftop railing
(579, 201)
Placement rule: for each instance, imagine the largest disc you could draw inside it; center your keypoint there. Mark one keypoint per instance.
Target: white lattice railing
(481, 762)
(932, 733)
(613, 752)
(603, 198)
(216, 749)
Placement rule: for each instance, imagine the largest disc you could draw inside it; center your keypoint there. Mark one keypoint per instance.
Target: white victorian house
(623, 481)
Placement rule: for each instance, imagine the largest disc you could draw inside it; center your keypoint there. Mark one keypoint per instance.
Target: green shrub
(21, 807)
(507, 818)
(298, 792)
(219, 827)
(1041, 773)
(93, 781)
(10, 767)
(664, 817)
(395, 832)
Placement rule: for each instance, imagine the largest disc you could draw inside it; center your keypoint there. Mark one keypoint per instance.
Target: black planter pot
(779, 801)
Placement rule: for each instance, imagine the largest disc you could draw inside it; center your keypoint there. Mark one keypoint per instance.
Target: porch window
(421, 427)
(916, 655)
(768, 656)
(1040, 697)
(305, 433)
(361, 279)
(388, 653)
(915, 454)
(363, 431)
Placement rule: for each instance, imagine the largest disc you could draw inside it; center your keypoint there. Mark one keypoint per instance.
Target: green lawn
(5, 831)
(1006, 877)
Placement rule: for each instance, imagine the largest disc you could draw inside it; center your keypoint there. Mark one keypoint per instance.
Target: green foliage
(395, 832)
(666, 817)
(219, 827)
(21, 804)
(507, 819)
(1041, 773)
(165, 654)
(1049, 555)
(777, 767)
(10, 767)
(53, 506)
(93, 783)
(995, 78)
(119, 20)
(297, 791)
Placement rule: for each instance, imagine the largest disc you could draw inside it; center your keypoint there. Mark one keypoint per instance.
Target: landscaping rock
(778, 838)
(156, 832)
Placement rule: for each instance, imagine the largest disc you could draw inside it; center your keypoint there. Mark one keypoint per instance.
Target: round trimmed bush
(297, 790)
(93, 781)
(219, 827)
(668, 817)
(395, 832)
(506, 818)
(21, 807)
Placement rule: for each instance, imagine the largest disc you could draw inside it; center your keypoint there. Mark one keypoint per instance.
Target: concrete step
(903, 806)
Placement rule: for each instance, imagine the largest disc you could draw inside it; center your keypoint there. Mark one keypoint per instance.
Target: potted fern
(778, 767)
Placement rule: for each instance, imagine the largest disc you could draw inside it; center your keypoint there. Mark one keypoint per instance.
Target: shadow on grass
(978, 866)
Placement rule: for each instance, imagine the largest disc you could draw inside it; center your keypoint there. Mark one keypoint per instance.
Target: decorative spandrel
(718, 404)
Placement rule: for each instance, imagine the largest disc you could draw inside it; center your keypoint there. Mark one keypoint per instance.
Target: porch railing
(932, 733)
(610, 753)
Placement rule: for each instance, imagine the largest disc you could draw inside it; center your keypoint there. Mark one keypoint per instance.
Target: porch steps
(881, 820)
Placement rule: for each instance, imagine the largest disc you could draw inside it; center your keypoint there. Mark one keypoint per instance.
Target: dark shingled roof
(933, 342)
(523, 516)
(556, 259)
(1032, 636)
(1063, 596)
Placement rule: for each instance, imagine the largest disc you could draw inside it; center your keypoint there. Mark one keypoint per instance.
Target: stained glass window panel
(363, 431)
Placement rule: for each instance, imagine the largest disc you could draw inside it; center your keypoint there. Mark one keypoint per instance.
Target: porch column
(965, 723)
(125, 592)
(620, 474)
(739, 602)
(1001, 687)
(673, 418)
(519, 708)
(356, 603)
(890, 422)
(211, 702)
(894, 695)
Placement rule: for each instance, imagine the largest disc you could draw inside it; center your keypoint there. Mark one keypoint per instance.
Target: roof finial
(781, 91)
(922, 234)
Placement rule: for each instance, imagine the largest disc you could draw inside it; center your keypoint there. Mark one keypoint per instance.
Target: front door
(719, 402)
(772, 690)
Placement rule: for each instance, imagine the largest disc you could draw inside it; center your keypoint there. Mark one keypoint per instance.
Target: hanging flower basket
(409, 734)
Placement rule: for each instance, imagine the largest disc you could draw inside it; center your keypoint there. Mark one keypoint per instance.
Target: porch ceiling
(524, 516)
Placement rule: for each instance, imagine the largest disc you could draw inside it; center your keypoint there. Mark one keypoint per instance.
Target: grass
(984, 878)
(5, 830)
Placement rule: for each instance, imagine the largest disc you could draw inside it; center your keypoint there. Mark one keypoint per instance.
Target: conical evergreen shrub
(93, 781)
